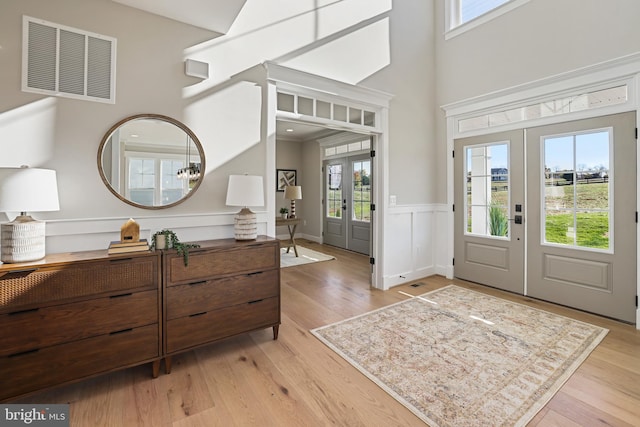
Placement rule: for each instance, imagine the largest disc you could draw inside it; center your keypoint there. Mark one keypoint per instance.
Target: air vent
(64, 61)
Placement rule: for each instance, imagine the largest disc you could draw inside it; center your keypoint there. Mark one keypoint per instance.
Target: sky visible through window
(591, 152)
(471, 9)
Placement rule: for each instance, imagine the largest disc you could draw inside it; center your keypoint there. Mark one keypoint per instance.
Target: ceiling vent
(64, 61)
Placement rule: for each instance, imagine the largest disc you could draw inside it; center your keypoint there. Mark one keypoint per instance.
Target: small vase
(284, 216)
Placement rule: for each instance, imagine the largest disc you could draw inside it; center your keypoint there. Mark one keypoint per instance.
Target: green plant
(172, 241)
(498, 222)
(284, 210)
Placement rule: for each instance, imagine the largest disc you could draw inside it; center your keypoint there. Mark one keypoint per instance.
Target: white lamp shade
(245, 190)
(293, 192)
(28, 190)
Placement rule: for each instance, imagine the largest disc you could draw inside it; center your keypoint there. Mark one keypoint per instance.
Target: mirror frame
(168, 119)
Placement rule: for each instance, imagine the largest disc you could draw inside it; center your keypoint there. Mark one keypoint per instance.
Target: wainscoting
(415, 243)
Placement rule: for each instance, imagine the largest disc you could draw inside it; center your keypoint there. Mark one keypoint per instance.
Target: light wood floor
(297, 381)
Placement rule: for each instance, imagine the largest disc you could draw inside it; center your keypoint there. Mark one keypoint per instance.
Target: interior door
(347, 206)
(582, 214)
(489, 211)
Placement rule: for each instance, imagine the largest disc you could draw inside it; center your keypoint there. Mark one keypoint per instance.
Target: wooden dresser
(72, 316)
(229, 287)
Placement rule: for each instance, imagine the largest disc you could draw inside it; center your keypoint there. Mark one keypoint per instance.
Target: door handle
(517, 219)
(344, 205)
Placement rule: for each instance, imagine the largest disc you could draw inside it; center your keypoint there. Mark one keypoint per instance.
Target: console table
(291, 224)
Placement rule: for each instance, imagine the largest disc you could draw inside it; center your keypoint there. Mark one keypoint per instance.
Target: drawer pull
(254, 274)
(30, 310)
(197, 314)
(120, 260)
(24, 353)
(256, 301)
(121, 295)
(202, 282)
(23, 273)
(121, 331)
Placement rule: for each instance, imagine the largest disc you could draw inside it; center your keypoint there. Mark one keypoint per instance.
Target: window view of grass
(590, 226)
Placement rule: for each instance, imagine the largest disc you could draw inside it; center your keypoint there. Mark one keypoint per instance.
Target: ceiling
(301, 131)
(214, 15)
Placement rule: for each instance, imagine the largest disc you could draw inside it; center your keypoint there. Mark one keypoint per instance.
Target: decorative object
(130, 231)
(167, 239)
(120, 247)
(293, 193)
(284, 212)
(305, 256)
(457, 357)
(162, 137)
(26, 190)
(285, 177)
(245, 191)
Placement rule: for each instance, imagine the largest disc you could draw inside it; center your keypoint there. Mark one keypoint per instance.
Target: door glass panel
(487, 189)
(361, 194)
(576, 205)
(334, 191)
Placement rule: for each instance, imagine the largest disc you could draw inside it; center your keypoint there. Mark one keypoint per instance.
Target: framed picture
(285, 177)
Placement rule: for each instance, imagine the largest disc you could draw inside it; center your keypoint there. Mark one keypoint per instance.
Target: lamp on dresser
(293, 193)
(25, 190)
(245, 191)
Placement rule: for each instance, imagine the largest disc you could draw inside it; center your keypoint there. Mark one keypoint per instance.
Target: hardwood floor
(298, 381)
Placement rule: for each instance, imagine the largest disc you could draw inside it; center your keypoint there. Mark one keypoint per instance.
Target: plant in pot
(167, 239)
(284, 212)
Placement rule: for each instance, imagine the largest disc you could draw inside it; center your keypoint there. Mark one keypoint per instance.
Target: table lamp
(26, 190)
(245, 191)
(293, 193)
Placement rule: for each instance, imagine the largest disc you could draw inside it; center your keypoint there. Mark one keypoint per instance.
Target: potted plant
(167, 239)
(284, 212)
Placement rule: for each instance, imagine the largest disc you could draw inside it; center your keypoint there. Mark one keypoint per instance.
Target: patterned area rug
(457, 357)
(305, 256)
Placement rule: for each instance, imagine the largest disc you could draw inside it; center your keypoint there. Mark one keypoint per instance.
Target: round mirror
(151, 161)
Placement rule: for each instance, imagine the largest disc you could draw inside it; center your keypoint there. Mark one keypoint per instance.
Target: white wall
(540, 39)
(378, 43)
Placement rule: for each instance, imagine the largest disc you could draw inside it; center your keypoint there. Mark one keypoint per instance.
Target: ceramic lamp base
(22, 240)
(245, 225)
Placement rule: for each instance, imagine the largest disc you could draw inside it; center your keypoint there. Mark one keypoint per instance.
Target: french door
(347, 203)
(489, 214)
(582, 214)
(576, 225)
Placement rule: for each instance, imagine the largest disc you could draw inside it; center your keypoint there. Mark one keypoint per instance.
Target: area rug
(457, 357)
(305, 256)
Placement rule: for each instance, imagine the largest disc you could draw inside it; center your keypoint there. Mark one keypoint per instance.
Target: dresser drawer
(50, 284)
(198, 297)
(70, 322)
(191, 331)
(55, 365)
(206, 264)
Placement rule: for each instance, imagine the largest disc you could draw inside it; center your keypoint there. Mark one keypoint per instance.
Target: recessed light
(289, 130)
